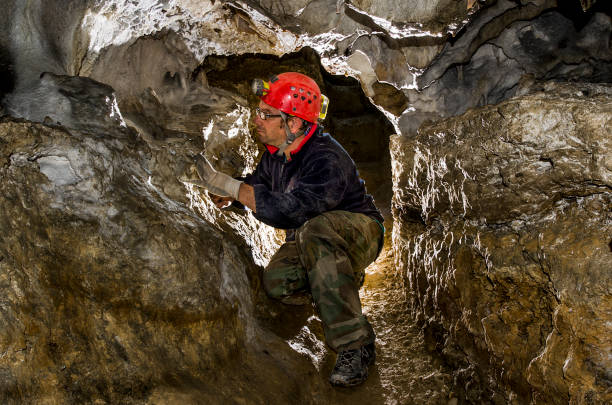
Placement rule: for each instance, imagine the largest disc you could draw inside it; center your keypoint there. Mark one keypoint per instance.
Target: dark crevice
(410, 214)
(572, 10)
(7, 74)
(509, 93)
(600, 71)
(347, 99)
(551, 284)
(548, 160)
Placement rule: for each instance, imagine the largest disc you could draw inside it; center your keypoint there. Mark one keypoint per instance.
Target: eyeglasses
(264, 116)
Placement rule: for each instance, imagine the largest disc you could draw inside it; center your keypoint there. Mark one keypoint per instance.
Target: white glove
(215, 182)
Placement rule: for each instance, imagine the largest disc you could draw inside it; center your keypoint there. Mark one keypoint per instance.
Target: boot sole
(352, 383)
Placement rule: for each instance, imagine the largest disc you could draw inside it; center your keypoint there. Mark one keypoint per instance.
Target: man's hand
(221, 202)
(216, 182)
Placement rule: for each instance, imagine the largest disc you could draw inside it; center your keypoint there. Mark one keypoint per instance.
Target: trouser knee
(284, 275)
(270, 285)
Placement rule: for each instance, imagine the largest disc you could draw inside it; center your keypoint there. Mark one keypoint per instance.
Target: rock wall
(503, 44)
(504, 233)
(120, 283)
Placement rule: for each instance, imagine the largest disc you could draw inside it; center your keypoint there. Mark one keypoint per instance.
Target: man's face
(270, 131)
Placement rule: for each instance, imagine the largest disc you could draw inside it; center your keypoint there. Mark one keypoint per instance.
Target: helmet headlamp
(324, 106)
(260, 87)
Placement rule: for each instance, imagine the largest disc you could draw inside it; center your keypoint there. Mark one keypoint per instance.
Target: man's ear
(295, 123)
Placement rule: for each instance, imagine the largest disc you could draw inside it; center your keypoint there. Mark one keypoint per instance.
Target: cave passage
(122, 282)
(406, 367)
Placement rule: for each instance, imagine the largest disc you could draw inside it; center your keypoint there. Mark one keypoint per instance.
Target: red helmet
(294, 94)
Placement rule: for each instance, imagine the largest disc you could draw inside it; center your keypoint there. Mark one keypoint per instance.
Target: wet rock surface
(504, 232)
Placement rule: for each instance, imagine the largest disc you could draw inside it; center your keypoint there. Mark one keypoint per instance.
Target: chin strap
(290, 136)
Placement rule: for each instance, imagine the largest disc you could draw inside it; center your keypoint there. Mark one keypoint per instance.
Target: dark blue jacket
(320, 177)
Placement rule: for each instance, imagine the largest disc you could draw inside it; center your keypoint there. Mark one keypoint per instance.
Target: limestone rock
(503, 229)
(435, 16)
(116, 41)
(501, 226)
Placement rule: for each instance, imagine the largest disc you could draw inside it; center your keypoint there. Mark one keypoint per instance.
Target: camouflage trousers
(328, 259)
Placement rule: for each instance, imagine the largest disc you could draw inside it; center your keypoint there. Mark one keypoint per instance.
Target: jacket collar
(313, 129)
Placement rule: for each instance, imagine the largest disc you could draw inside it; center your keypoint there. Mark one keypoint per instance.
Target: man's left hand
(221, 202)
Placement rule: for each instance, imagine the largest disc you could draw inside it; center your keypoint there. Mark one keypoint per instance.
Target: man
(307, 184)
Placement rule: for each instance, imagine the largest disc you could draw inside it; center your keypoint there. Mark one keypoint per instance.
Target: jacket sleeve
(258, 177)
(318, 188)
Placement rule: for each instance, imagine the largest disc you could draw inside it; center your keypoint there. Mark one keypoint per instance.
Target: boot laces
(347, 357)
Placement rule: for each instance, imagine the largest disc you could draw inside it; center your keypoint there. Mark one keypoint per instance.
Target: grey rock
(61, 100)
(435, 15)
(58, 170)
(485, 65)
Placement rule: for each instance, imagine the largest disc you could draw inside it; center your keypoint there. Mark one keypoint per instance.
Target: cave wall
(507, 260)
(504, 45)
(122, 283)
(504, 232)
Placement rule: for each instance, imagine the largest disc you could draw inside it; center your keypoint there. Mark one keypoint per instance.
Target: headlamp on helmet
(324, 107)
(260, 87)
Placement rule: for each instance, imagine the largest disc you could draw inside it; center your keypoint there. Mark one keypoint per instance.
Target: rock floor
(405, 372)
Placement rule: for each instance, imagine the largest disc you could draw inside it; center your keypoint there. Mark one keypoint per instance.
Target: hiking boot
(351, 367)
